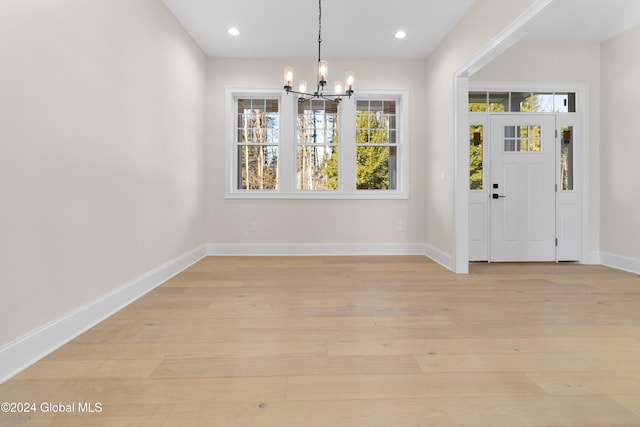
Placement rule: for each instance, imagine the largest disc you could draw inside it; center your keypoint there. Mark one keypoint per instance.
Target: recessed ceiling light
(233, 31)
(401, 34)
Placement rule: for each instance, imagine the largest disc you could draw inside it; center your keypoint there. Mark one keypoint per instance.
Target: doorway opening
(525, 192)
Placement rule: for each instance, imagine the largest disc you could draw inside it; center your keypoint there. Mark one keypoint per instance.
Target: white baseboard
(442, 258)
(331, 249)
(318, 249)
(593, 258)
(620, 262)
(22, 352)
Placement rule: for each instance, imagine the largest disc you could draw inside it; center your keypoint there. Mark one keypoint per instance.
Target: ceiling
(364, 29)
(589, 21)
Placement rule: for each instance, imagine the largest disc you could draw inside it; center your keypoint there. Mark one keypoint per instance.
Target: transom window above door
(522, 102)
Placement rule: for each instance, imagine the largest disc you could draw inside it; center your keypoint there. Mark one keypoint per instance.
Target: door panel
(522, 201)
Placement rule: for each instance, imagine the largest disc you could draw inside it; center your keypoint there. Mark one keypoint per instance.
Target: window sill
(317, 195)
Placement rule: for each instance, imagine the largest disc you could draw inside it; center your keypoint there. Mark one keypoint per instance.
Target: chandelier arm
(305, 96)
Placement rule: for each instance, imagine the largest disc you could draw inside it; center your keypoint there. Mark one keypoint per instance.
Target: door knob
(497, 196)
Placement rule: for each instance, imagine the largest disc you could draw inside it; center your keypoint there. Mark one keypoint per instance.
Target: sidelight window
(476, 137)
(566, 158)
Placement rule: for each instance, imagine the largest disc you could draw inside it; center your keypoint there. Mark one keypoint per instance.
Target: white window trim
(287, 148)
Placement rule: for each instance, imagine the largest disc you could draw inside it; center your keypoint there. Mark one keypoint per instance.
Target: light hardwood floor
(354, 341)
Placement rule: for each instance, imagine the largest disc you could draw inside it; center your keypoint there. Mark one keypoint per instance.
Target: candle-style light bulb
(302, 88)
(323, 68)
(288, 77)
(349, 79)
(337, 88)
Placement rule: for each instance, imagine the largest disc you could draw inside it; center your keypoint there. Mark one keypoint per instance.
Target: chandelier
(321, 80)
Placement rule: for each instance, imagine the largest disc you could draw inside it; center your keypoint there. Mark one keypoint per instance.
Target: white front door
(522, 188)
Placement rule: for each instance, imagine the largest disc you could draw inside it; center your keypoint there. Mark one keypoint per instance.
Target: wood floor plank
(483, 345)
(231, 349)
(119, 391)
(588, 382)
(629, 401)
(182, 333)
(52, 369)
(513, 411)
(76, 351)
(122, 415)
(530, 362)
(409, 386)
(284, 366)
(37, 390)
(125, 369)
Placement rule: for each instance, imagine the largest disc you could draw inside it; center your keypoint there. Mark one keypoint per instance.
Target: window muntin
(317, 145)
(376, 145)
(257, 123)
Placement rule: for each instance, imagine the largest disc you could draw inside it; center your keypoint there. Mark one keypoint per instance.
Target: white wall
(484, 20)
(101, 131)
(312, 221)
(560, 63)
(620, 148)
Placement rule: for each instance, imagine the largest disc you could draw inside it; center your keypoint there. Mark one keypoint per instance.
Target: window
(494, 102)
(566, 158)
(317, 145)
(257, 143)
(282, 148)
(476, 136)
(522, 102)
(522, 138)
(376, 149)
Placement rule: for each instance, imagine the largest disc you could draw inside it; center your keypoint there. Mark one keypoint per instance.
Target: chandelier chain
(319, 21)
(319, 27)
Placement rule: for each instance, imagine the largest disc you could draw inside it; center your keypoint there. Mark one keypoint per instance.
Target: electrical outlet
(399, 226)
(252, 226)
